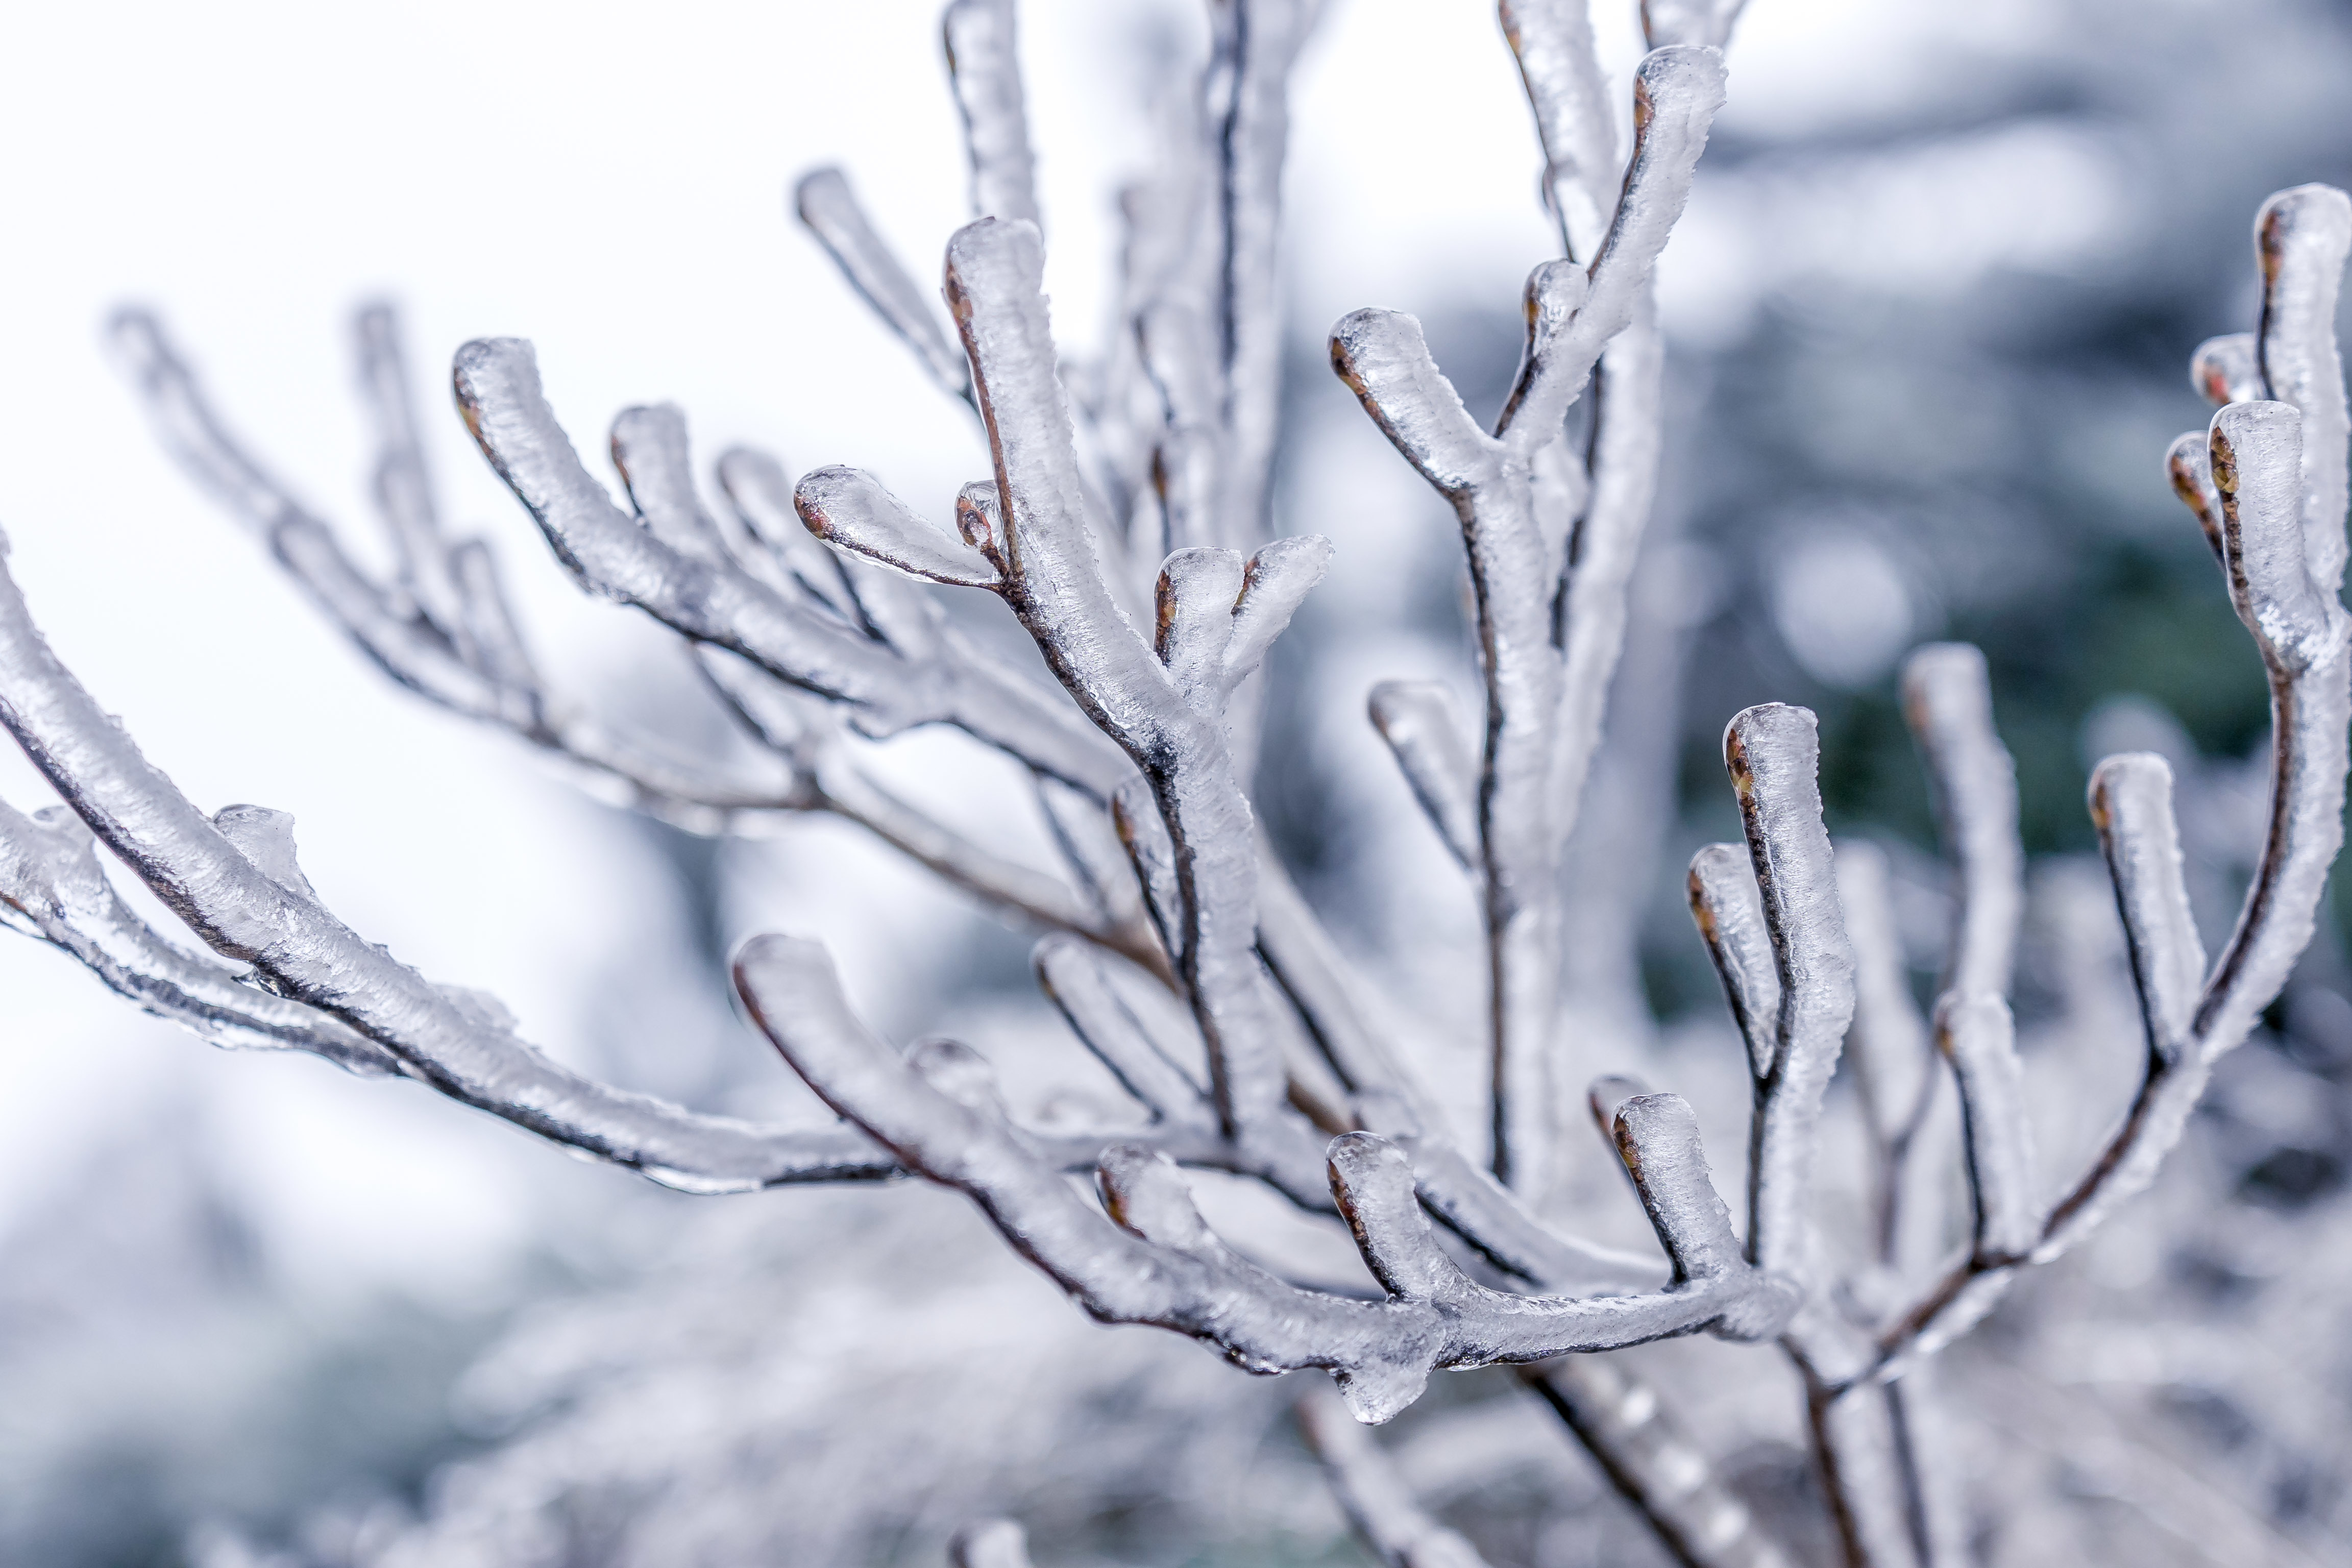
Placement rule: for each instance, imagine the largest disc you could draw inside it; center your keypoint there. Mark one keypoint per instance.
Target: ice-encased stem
(307, 954)
(1055, 584)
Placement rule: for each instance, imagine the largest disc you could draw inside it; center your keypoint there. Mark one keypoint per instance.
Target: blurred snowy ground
(612, 185)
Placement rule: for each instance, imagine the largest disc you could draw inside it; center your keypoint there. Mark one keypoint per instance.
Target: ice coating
(830, 209)
(984, 63)
(1518, 556)
(1948, 702)
(1160, 1264)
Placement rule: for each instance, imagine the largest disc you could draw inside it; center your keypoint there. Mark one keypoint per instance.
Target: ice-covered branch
(1976, 1034)
(1517, 560)
(1654, 1466)
(721, 603)
(1053, 581)
(443, 631)
(1947, 701)
(2131, 805)
(851, 511)
(404, 487)
(415, 652)
(1424, 731)
(455, 641)
(1889, 1045)
(1375, 1497)
(1575, 122)
(2302, 237)
(248, 915)
(984, 63)
(53, 888)
(1155, 1261)
(2271, 564)
(1730, 916)
(831, 211)
(1773, 754)
(1255, 44)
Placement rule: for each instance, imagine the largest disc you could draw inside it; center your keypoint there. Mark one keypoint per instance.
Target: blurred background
(1929, 315)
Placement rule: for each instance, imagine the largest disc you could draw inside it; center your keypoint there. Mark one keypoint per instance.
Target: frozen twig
(1730, 916)
(302, 952)
(2302, 237)
(1889, 1046)
(725, 605)
(1947, 700)
(1166, 713)
(1773, 755)
(414, 651)
(404, 488)
(1255, 44)
(1375, 1497)
(830, 209)
(1975, 1033)
(1424, 729)
(53, 888)
(1653, 1465)
(455, 641)
(984, 63)
(2301, 632)
(1575, 121)
(2131, 805)
(1154, 1260)
(1517, 563)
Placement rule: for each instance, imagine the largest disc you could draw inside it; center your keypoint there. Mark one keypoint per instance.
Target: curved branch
(830, 210)
(498, 389)
(984, 63)
(1154, 1260)
(304, 953)
(2303, 636)
(52, 888)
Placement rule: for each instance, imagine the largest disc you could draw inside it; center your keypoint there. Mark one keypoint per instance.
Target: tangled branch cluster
(1126, 528)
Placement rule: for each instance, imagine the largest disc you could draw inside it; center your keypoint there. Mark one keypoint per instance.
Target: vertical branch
(1947, 700)
(1628, 440)
(984, 63)
(1892, 1058)
(1858, 1449)
(2131, 805)
(1055, 584)
(1258, 41)
(1773, 754)
(1575, 122)
(2300, 629)
(2302, 237)
(1976, 1035)
(1515, 564)
(404, 490)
